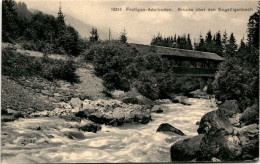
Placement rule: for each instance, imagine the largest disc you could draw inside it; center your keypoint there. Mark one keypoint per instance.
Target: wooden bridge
(186, 62)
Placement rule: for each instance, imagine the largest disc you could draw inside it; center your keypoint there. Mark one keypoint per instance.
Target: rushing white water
(127, 143)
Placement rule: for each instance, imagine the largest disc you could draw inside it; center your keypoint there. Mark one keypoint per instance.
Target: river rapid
(22, 142)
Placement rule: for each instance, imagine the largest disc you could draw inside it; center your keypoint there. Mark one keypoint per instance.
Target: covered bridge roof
(168, 51)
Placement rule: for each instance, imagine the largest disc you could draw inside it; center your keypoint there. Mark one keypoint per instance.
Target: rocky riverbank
(66, 138)
(224, 135)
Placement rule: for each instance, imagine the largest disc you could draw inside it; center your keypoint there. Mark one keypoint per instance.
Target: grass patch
(16, 65)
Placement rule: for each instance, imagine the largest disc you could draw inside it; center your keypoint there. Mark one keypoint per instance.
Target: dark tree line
(181, 42)
(217, 43)
(39, 31)
(238, 75)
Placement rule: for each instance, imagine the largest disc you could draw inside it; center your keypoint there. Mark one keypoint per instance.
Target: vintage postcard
(120, 81)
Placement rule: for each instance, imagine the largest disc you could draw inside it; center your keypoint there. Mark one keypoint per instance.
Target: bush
(58, 69)
(147, 85)
(113, 61)
(238, 79)
(18, 65)
(42, 47)
(186, 84)
(112, 81)
(89, 53)
(122, 66)
(251, 115)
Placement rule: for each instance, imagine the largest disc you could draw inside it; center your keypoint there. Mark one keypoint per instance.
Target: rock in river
(167, 128)
(73, 135)
(90, 127)
(186, 150)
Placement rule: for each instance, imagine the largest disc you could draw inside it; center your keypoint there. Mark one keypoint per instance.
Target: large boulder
(167, 128)
(214, 122)
(221, 146)
(229, 107)
(250, 115)
(249, 137)
(186, 150)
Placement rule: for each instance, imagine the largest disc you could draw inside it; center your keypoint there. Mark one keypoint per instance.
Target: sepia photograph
(129, 81)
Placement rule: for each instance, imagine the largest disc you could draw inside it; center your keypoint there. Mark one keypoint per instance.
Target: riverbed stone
(57, 94)
(163, 101)
(75, 102)
(167, 128)
(187, 149)
(46, 92)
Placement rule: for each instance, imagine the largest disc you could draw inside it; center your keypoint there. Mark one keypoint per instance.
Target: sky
(142, 26)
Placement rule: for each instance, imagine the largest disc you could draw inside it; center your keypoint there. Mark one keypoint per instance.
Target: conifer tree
(218, 44)
(208, 37)
(242, 45)
(60, 18)
(224, 41)
(188, 44)
(94, 35)
(10, 29)
(123, 37)
(231, 46)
